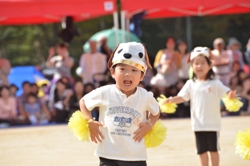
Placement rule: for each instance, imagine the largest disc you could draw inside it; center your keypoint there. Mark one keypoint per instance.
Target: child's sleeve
(92, 99)
(153, 106)
(222, 89)
(185, 91)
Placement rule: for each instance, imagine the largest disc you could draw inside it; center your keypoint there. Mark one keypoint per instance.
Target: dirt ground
(56, 145)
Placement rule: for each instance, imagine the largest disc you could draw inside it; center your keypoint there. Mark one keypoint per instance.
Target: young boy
(123, 107)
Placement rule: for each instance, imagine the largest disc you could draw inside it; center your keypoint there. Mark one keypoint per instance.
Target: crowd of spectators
(171, 71)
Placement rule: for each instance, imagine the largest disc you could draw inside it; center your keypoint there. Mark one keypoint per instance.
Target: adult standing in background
(5, 68)
(62, 62)
(167, 62)
(234, 49)
(247, 55)
(93, 63)
(222, 61)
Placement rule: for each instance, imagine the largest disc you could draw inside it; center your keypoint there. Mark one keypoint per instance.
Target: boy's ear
(147, 58)
(111, 57)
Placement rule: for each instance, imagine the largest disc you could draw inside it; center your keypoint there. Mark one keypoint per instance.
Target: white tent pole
(116, 26)
(123, 25)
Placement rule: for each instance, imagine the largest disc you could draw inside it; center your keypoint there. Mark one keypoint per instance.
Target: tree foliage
(28, 45)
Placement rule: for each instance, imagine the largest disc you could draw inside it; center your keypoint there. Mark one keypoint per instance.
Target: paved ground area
(56, 146)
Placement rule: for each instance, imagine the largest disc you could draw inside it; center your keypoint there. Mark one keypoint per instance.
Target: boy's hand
(232, 94)
(142, 131)
(95, 132)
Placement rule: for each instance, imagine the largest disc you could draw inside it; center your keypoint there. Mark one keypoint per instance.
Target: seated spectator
(234, 84)
(60, 102)
(235, 69)
(13, 90)
(245, 96)
(75, 98)
(8, 109)
(247, 55)
(34, 88)
(22, 100)
(34, 110)
(241, 76)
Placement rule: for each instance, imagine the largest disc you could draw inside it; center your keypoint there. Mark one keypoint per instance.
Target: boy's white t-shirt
(120, 116)
(205, 100)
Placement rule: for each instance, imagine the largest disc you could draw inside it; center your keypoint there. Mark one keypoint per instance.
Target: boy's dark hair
(25, 82)
(210, 75)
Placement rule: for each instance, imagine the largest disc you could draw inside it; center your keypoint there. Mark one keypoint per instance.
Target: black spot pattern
(140, 54)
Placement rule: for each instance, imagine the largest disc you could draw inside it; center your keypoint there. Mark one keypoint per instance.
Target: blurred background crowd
(54, 101)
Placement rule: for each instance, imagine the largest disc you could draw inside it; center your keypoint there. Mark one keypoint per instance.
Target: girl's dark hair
(210, 75)
(4, 87)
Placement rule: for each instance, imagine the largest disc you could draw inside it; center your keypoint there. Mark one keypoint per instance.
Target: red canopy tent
(178, 8)
(18, 12)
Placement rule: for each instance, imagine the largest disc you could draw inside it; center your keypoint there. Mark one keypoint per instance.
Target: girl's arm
(176, 100)
(94, 126)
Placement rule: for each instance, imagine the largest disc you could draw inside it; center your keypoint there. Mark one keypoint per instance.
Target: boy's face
(127, 78)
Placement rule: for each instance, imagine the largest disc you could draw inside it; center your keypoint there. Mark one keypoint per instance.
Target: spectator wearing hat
(233, 48)
(222, 61)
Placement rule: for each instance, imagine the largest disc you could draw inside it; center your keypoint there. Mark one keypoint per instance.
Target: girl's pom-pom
(232, 105)
(169, 108)
(79, 125)
(156, 135)
(242, 144)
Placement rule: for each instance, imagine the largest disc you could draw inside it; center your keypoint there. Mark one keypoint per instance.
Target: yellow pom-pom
(232, 105)
(79, 125)
(169, 108)
(242, 144)
(156, 135)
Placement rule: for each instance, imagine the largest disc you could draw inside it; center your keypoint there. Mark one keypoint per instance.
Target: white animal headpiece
(200, 51)
(131, 53)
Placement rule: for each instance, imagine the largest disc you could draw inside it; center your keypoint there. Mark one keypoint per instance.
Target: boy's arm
(94, 126)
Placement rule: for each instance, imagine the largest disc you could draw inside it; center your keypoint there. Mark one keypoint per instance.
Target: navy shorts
(110, 162)
(207, 141)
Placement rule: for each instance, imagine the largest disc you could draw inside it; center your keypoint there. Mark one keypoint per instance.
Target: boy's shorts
(110, 162)
(207, 141)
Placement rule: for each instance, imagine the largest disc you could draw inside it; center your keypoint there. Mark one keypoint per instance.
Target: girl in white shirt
(205, 94)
